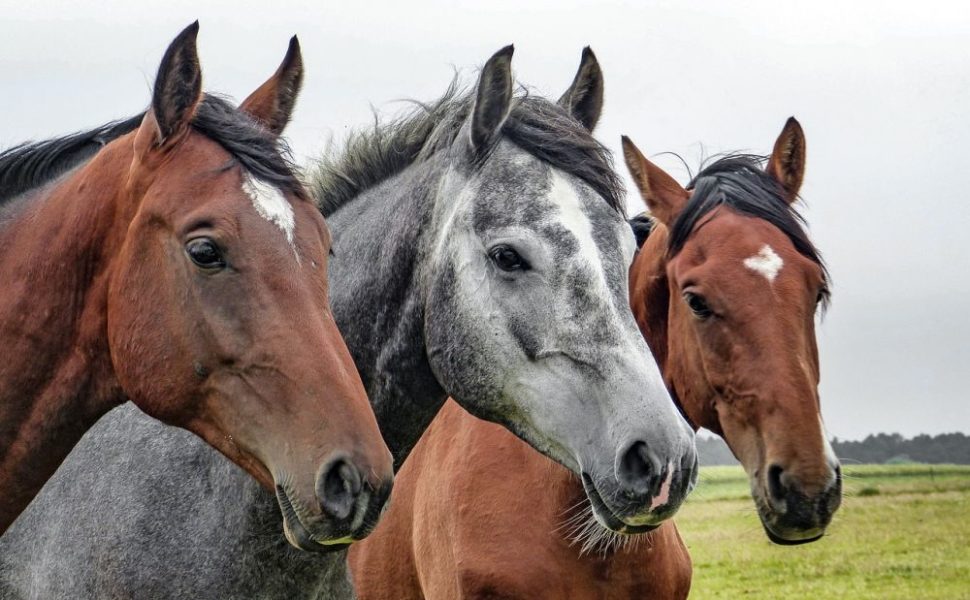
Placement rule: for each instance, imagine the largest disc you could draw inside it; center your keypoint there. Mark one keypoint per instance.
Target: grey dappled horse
(481, 252)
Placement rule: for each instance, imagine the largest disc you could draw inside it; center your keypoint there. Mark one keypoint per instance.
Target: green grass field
(903, 531)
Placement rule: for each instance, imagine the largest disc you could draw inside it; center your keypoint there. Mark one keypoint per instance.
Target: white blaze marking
(573, 216)
(271, 205)
(563, 194)
(765, 262)
(830, 456)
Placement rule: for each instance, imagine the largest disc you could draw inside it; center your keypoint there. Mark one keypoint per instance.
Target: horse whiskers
(571, 526)
(582, 529)
(595, 539)
(581, 502)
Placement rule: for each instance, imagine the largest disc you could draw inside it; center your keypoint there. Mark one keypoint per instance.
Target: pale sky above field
(881, 88)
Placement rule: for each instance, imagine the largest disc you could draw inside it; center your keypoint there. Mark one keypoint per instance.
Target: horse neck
(56, 378)
(381, 240)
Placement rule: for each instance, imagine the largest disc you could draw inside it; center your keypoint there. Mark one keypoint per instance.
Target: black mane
(740, 182)
(537, 126)
(642, 225)
(264, 155)
(30, 165)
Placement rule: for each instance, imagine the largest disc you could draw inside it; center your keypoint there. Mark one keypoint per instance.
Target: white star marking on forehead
(766, 262)
(271, 205)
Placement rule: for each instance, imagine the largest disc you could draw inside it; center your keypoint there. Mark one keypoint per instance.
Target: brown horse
(725, 289)
(183, 267)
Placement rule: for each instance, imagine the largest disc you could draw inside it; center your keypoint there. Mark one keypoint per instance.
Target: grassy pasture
(903, 532)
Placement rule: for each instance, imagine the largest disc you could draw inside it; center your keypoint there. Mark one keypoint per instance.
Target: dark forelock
(740, 182)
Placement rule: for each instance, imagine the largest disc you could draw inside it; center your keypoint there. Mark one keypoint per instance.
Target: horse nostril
(338, 487)
(775, 486)
(689, 469)
(637, 471)
(689, 462)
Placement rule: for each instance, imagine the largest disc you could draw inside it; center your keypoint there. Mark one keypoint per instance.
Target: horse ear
(787, 162)
(663, 195)
(272, 103)
(493, 100)
(178, 86)
(584, 98)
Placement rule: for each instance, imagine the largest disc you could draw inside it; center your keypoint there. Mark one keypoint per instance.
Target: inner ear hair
(787, 162)
(664, 197)
(493, 100)
(178, 85)
(584, 98)
(273, 102)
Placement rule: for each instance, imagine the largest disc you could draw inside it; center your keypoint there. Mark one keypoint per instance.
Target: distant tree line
(874, 449)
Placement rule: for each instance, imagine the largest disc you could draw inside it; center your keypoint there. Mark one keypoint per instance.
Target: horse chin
(792, 538)
(297, 534)
(605, 517)
(786, 536)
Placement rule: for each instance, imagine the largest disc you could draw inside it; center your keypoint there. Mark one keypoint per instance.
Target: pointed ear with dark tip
(787, 162)
(178, 86)
(493, 100)
(272, 103)
(584, 98)
(663, 195)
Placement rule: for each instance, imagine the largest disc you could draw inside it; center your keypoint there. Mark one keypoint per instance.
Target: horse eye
(507, 259)
(205, 254)
(698, 306)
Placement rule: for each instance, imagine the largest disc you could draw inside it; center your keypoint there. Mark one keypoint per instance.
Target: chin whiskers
(581, 528)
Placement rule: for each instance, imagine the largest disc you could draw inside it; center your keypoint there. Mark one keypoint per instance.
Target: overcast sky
(881, 88)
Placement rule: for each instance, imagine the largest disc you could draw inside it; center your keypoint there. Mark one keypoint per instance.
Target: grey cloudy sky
(881, 88)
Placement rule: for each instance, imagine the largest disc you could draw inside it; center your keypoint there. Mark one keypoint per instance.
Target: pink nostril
(663, 496)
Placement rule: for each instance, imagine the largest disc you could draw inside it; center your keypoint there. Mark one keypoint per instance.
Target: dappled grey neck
(381, 242)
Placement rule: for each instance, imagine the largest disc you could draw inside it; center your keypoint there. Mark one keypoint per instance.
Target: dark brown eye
(205, 254)
(506, 258)
(698, 305)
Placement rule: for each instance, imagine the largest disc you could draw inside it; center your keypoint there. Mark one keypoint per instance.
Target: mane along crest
(536, 125)
(262, 154)
(30, 165)
(740, 182)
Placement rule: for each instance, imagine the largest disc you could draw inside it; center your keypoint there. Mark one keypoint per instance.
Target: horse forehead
(749, 243)
(520, 189)
(765, 262)
(511, 188)
(580, 210)
(271, 204)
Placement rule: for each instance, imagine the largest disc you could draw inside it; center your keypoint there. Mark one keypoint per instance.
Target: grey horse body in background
(141, 510)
